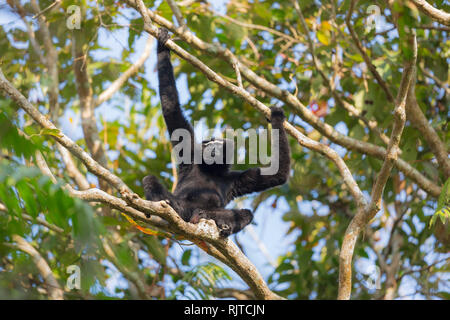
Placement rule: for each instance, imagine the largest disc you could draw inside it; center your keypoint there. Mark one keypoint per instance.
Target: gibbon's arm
(173, 115)
(252, 180)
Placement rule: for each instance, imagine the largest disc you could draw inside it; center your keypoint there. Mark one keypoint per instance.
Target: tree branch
(363, 217)
(53, 288)
(241, 92)
(37, 219)
(176, 11)
(371, 124)
(288, 98)
(364, 55)
(88, 120)
(223, 249)
(435, 14)
(118, 83)
(421, 123)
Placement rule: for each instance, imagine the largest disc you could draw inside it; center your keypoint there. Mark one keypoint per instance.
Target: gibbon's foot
(163, 35)
(227, 221)
(196, 216)
(224, 230)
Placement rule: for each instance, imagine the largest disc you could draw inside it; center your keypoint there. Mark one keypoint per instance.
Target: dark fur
(203, 190)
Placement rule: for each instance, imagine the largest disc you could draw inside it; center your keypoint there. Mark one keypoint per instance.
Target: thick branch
(53, 288)
(223, 249)
(435, 14)
(291, 100)
(363, 217)
(241, 92)
(420, 122)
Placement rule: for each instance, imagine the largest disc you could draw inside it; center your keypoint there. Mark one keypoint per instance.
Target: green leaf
(186, 257)
(51, 132)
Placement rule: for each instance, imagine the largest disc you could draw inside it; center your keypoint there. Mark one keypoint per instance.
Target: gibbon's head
(217, 154)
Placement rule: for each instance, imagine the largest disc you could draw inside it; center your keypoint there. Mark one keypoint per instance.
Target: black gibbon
(203, 190)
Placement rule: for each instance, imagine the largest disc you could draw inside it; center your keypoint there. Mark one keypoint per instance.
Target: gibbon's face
(218, 152)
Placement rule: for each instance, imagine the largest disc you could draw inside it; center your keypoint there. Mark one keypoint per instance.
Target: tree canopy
(365, 88)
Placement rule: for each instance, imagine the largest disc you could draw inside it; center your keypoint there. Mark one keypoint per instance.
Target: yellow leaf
(323, 38)
(326, 25)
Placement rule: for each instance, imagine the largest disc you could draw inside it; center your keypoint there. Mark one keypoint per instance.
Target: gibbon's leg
(154, 190)
(228, 221)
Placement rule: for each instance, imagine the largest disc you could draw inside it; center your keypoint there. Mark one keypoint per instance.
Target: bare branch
(54, 290)
(118, 83)
(223, 249)
(176, 11)
(72, 169)
(51, 58)
(30, 31)
(438, 81)
(213, 76)
(236, 67)
(363, 217)
(292, 101)
(436, 14)
(438, 28)
(56, 2)
(421, 123)
(88, 119)
(256, 27)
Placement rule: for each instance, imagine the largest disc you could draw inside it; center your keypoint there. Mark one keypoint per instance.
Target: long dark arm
(252, 180)
(173, 115)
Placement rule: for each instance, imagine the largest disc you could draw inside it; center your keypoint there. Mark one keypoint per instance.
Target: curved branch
(53, 288)
(176, 11)
(288, 98)
(363, 217)
(223, 249)
(435, 14)
(420, 122)
(117, 84)
(241, 92)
